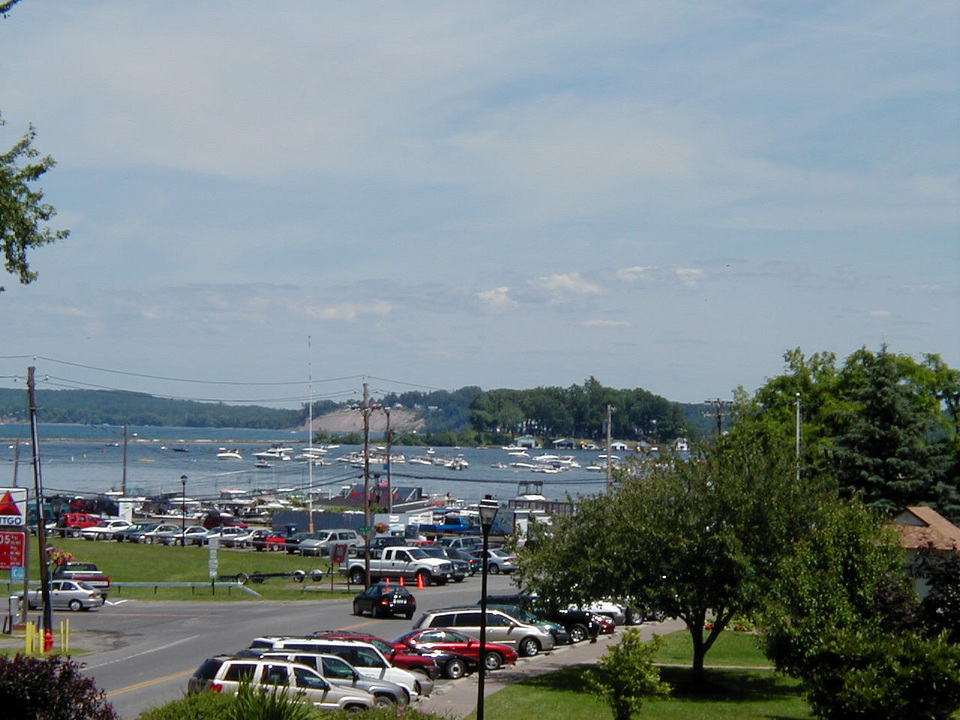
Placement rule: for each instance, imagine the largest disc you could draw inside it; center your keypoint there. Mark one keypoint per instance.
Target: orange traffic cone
(387, 580)
(419, 581)
(402, 582)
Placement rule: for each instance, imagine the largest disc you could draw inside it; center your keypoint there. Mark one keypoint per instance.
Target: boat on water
(229, 454)
(274, 453)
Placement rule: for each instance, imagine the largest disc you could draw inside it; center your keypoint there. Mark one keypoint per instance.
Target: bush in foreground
(50, 688)
(625, 676)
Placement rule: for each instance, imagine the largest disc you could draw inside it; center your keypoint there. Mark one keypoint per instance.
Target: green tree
(625, 676)
(829, 621)
(697, 539)
(22, 210)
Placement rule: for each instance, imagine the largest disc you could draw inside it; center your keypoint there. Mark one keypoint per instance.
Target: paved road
(143, 652)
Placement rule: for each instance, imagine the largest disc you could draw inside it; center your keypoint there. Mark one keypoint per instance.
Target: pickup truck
(450, 525)
(393, 563)
(87, 572)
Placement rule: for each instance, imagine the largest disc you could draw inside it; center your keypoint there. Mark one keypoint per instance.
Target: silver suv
(338, 671)
(528, 639)
(224, 674)
(322, 542)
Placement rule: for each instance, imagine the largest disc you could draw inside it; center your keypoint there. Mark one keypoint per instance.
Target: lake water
(82, 459)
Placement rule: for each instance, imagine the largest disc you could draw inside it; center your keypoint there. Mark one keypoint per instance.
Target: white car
(104, 529)
(366, 658)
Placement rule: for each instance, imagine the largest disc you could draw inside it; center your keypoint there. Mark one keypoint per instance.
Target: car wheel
(355, 707)
(493, 661)
(357, 576)
(383, 701)
(375, 611)
(455, 669)
(529, 647)
(494, 569)
(578, 633)
(459, 579)
(75, 605)
(356, 608)
(409, 616)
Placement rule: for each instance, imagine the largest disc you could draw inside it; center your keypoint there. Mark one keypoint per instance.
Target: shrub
(884, 677)
(265, 703)
(626, 675)
(200, 706)
(49, 688)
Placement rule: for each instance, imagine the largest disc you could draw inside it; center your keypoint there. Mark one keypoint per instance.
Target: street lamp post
(488, 514)
(183, 508)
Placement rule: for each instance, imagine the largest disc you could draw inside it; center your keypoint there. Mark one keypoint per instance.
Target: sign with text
(13, 508)
(11, 549)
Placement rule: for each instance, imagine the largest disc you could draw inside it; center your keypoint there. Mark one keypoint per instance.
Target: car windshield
(417, 553)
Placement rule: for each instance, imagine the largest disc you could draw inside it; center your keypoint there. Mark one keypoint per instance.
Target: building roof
(921, 526)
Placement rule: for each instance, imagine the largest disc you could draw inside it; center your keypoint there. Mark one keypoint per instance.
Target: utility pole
(41, 519)
(123, 477)
(366, 484)
(310, 457)
(798, 437)
(609, 423)
(719, 408)
(389, 463)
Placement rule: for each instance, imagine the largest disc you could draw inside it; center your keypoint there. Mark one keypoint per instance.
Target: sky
(274, 201)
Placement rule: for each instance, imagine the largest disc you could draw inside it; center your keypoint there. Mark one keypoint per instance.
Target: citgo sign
(11, 549)
(13, 508)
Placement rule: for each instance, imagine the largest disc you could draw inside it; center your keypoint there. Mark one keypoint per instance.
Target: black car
(460, 567)
(580, 624)
(474, 564)
(385, 599)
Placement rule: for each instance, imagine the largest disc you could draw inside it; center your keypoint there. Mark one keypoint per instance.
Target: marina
(208, 464)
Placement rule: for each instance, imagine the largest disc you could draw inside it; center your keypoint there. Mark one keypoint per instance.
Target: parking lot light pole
(183, 509)
(488, 514)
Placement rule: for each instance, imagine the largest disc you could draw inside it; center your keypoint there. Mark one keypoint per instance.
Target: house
(923, 527)
(618, 446)
(563, 444)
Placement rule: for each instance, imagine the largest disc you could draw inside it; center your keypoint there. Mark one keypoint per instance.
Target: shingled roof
(921, 526)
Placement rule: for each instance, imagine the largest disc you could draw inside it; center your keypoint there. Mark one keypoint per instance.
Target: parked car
(225, 534)
(614, 611)
(322, 542)
(265, 539)
(338, 671)
(131, 533)
(104, 530)
(365, 657)
(162, 534)
(428, 664)
(528, 639)
(581, 625)
(470, 543)
(560, 634)
(194, 535)
(500, 561)
(291, 543)
(461, 645)
(73, 522)
(474, 563)
(385, 599)
(224, 674)
(460, 567)
(66, 595)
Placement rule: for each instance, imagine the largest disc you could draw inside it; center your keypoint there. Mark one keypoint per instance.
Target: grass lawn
(128, 562)
(731, 694)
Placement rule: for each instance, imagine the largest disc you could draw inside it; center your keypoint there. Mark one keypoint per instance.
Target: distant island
(468, 416)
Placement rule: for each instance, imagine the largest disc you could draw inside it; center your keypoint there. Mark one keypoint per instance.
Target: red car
(456, 643)
(400, 657)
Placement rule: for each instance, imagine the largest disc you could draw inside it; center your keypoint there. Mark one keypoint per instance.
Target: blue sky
(662, 195)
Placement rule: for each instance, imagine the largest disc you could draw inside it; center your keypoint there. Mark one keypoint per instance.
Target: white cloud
(690, 277)
(497, 301)
(632, 274)
(567, 284)
(605, 323)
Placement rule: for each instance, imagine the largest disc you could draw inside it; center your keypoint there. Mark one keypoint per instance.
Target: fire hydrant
(47, 640)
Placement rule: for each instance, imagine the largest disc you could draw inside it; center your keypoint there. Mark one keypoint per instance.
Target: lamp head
(488, 512)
